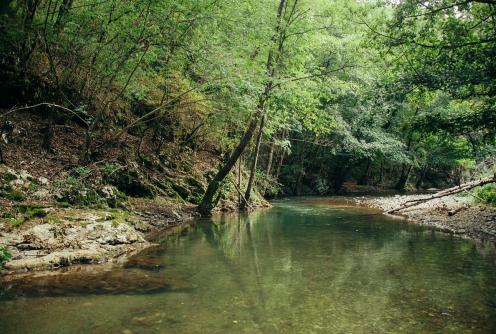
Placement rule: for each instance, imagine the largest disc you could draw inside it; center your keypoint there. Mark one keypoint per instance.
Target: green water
(304, 266)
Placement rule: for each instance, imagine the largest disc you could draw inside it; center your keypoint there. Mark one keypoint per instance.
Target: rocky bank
(460, 215)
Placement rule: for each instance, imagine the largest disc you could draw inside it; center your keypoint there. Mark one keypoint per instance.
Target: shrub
(4, 255)
(12, 194)
(487, 193)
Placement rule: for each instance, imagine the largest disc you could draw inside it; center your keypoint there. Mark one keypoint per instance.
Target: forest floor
(459, 215)
(55, 212)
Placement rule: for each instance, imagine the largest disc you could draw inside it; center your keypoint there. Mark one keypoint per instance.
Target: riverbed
(306, 265)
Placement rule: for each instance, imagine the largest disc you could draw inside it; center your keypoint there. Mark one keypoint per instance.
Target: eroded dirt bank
(458, 215)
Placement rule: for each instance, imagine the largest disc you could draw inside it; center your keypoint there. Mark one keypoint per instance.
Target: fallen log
(446, 192)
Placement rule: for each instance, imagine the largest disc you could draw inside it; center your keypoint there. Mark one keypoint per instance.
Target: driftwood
(446, 192)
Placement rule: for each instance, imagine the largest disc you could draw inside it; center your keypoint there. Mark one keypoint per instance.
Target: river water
(304, 266)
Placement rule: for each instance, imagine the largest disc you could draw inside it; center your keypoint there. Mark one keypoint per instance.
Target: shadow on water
(309, 265)
(141, 274)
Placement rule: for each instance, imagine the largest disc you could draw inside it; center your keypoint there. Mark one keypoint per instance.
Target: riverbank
(56, 212)
(56, 237)
(459, 215)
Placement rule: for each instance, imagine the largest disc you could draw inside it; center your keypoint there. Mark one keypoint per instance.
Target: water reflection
(303, 266)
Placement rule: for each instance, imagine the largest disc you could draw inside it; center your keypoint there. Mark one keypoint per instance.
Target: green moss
(52, 219)
(82, 197)
(17, 221)
(119, 217)
(34, 186)
(62, 204)
(12, 194)
(31, 210)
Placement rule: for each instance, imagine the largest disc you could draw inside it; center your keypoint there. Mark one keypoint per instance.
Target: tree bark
(421, 178)
(240, 163)
(254, 163)
(271, 157)
(283, 153)
(405, 173)
(364, 178)
(207, 204)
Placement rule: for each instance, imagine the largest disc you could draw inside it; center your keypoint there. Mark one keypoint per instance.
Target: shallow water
(304, 266)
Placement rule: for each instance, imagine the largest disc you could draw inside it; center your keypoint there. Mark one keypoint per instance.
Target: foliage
(5, 255)
(385, 92)
(487, 193)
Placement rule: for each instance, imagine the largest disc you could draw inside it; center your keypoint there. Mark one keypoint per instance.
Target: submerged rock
(86, 280)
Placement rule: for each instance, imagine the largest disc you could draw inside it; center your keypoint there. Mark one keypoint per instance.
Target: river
(307, 265)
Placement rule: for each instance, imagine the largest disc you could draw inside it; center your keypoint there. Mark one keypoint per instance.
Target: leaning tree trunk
(444, 193)
(254, 163)
(207, 204)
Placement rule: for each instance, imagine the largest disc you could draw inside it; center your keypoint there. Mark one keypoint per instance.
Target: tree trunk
(207, 204)
(48, 132)
(271, 157)
(28, 46)
(254, 163)
(297, 190)
(240, 164)
(405, 173)
(446, 192)
(281, 159)
(63, 10)
(381, 174)
(421, 178)
(364, 178)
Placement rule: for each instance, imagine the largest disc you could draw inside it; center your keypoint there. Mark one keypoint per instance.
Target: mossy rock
(113, 197)
(130, 183)
(182, 190)
(83, 197)
(196, 184)
(31, 210)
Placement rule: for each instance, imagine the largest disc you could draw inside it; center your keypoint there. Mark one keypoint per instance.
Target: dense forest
(247, 98)
(247, 166)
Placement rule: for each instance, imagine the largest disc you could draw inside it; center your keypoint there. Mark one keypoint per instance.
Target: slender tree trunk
(283, 153)
(301, 172)
(240, 164)
(48, 132)
(421, 178)
(28, 46)
(405, 174)
(254, 163)
(381, 173)
(364, 179)
(271, 157)
(207, 204)
(63, 10)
